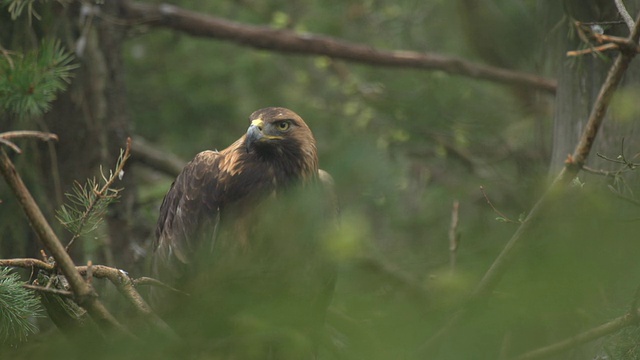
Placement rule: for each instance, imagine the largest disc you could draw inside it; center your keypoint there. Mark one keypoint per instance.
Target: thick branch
(84, 293)
(309, 44)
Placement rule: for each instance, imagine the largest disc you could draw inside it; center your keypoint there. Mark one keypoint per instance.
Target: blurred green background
(402, 145)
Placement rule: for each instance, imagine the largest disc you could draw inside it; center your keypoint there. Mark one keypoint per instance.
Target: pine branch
(17, 305)
(29, 82)
(119, 278)
(88, 203)
(84, 294)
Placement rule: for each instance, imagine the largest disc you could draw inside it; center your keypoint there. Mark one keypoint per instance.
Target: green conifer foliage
(29, 82)
(17, 306)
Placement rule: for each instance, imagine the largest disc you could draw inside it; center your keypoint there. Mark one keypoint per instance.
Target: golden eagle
(226, 224)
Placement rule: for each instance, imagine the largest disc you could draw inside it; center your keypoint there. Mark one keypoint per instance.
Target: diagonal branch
(607, 328)
(287, 41)
(573, 165)
(84, 294)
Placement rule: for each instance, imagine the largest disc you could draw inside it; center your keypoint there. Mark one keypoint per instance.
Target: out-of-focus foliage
(18, 308)
(402, 145)
(29, 82)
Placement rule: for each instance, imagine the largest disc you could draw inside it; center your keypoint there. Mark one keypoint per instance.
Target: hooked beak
(254, 133)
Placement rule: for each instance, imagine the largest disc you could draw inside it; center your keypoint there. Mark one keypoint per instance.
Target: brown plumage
(212, 206)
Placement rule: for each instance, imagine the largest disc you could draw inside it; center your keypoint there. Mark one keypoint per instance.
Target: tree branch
(84, 294)
(589, 335)
(119, 278)
(267, 38)
(145, 153)
(625, 14)
(572, 166)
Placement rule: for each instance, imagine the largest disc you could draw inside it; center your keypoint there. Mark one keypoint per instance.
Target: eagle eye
(283, 125)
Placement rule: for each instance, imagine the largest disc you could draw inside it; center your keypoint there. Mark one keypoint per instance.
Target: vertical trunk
(579, 81)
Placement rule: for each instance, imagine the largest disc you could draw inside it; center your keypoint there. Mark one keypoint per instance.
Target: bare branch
(119, 278)
(625, 14)
(144, 152)
(281, 40)
(44, 136)
(155, 282)
(589, 335)
(53, 291)
(84, 294)
(26, 263)
(11, 145)
(502, 216)
(454, 236)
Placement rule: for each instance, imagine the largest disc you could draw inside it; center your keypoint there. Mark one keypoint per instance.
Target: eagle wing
(189, 216)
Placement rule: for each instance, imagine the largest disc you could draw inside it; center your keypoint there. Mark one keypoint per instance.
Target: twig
(5, 136)
(502, 216)
(44, 136)
(144, 152)
(590, 50)
(53, 291)
(125, 286)
(101, 194)
(89, 275)
(13, 146)
(26, 263)
(625, 14)
(454, 236)
(263, 37)
(84, 294)
(147, 281)
(575, 162)
(589, 335)
(119, 278)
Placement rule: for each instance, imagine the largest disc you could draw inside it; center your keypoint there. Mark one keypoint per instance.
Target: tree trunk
(579, 81)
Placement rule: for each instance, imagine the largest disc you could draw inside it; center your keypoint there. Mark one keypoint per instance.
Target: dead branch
(145, 153)
(454, 236)
(119, 278)
(625, 14)
(84, 294)
(53, 291)
(572, 166)
(287, 41)
(582, 338)
(501, 216)
(125, 286)
(5, 136)
(155, 282)
(26, 263)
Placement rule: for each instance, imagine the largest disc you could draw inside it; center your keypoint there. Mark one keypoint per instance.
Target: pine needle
(17, 306)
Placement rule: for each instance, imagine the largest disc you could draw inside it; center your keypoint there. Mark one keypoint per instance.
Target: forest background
(474, 221)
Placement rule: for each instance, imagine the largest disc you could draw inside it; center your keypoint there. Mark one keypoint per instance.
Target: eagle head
(280, 135)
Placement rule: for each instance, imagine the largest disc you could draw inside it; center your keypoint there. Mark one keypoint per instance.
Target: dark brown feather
(227, 189)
